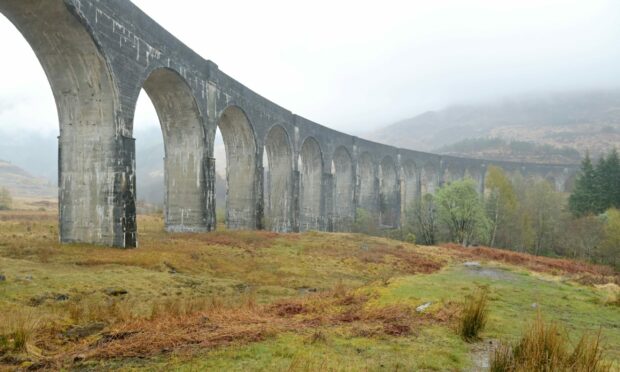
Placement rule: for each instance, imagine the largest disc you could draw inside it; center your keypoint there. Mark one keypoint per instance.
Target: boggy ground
(266, 301)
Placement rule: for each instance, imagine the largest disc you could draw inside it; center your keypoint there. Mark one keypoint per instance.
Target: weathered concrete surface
(98, 56)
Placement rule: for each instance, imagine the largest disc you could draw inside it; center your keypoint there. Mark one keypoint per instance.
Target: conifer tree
(584, 199)
(607, 174)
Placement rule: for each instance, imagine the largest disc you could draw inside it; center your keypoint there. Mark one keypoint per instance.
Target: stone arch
(278, 203)
(96, 152)
(389, 200)
(477, 174)
(367, 187)
(185, 207)
(412, 183)
(241, 169)
(311, 181)
(569, 184)
(342, 168)
(449, 175)
(428, 179)
(553, 181)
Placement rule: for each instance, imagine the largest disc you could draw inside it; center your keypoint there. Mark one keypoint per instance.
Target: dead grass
(583, 272)
(545, 347)
(187, 328)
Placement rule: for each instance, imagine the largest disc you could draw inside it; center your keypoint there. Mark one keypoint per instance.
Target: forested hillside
(580, 120)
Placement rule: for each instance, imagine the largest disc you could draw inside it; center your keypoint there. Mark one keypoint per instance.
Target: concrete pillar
(328, 201)
(210, 202)
(295, 213)
(97, 189)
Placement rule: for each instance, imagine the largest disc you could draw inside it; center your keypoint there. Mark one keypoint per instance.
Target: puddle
(491, 273)
(481, 355)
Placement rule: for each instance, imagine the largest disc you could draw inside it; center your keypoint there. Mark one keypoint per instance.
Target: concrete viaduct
(99, 54)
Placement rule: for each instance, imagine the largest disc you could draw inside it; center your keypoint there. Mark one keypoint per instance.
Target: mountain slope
(581, 120)
(21, 183)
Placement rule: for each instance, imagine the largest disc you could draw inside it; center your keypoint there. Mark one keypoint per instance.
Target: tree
(607, 178)
(544, 205)
(610, 248)
(501, 201)
(6, 201)
(581, 237)
(461, 211)
(584, 199)
(422, 217)
(365, 222)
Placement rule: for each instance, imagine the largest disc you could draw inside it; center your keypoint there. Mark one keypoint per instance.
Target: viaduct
(99, 54)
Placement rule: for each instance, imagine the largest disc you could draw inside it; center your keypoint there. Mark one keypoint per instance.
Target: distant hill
(21, 183)
(579, 120)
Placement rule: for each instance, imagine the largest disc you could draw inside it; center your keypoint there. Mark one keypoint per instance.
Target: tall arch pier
(99, 54)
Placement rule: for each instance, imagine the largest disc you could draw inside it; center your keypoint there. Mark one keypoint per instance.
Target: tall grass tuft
(474, 316)
(545, 347)
(16, 331)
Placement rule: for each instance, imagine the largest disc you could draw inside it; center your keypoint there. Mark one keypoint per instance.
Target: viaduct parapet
(99, 54)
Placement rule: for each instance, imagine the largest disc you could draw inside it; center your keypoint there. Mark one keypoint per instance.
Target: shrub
(474, 316)
(544, 347)
(6, 201)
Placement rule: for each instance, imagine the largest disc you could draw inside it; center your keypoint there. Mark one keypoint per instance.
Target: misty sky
(356, 65)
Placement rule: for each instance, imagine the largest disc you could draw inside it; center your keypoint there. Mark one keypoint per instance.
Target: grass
(259, 300)
(474, 316)
(544, 347)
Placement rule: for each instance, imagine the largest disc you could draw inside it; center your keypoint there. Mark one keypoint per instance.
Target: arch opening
(389, 201)
(368, 190)
(241, 169)
(279, 182)
(311, 173)
(412, 181)
(185, 206)
(428, 180)
(344, 211)
(96, 151)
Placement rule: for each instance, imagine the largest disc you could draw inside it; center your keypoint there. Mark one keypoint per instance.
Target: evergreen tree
(585, 199)
(613, 163)
(607, 176)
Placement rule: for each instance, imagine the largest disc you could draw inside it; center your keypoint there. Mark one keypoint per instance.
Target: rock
(61, 297)
(2, 278)
(171, 268)
(534, 305)
(77, 332)
(38, 300)
(422, 308)
(115, 292)
(28, 278)
(472, 264)
(306, 290)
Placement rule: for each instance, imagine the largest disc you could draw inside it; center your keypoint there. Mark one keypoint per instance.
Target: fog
(356, 66)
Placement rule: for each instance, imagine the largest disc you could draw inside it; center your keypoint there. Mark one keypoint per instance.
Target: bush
(365, 222)
(6, 201)
(544, 347)
(474, 316)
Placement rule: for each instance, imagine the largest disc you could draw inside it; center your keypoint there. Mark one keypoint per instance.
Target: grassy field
(283, 302)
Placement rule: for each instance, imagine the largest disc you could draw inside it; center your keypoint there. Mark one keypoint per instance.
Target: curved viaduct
(99, 54)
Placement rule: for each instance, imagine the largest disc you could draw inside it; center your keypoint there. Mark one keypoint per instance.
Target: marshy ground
(265, 301)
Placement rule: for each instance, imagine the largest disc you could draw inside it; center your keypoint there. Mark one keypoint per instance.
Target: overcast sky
(357, 65)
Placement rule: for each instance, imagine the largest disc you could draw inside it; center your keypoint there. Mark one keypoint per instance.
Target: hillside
(22, 184)
(280, 302)
(580, 120)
